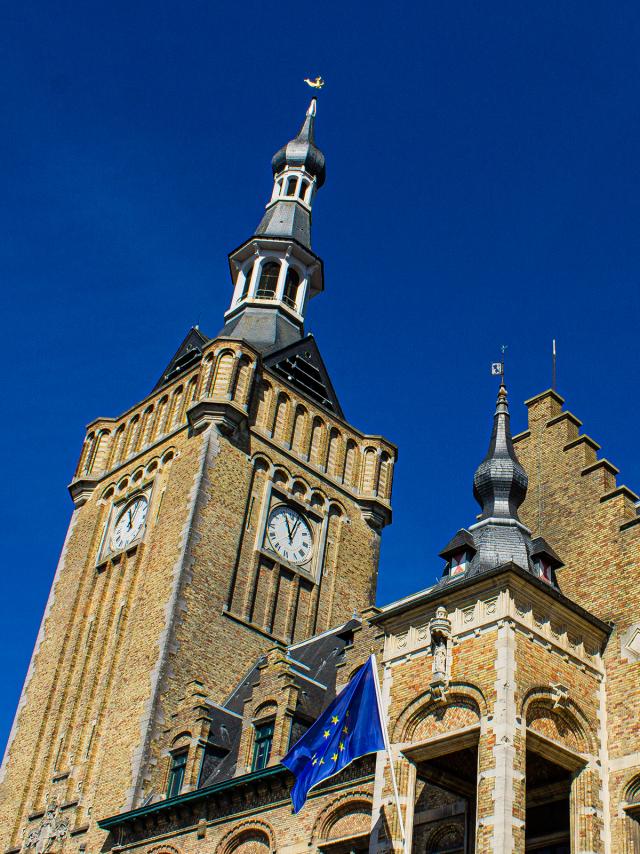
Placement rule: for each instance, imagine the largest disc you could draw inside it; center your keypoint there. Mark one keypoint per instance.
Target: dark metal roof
(463, 539)
(302, 151)
(186, 356)
(500, 487)
(313, 668)
(301, 365)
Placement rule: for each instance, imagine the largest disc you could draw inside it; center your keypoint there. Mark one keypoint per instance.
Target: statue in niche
(439, 656)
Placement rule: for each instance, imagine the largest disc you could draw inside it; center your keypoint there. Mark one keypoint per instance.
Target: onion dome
(302, 152)
(500, 482)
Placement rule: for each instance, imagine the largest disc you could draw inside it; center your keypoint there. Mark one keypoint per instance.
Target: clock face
(130, 523)
(289, 534)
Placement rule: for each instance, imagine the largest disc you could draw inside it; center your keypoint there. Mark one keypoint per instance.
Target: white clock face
(130, 523)
(289, 534)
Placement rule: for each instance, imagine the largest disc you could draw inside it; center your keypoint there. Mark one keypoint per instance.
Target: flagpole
(387, 747)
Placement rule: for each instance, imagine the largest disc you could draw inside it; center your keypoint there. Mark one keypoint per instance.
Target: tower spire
(275, 272)
(499, 537)
(500, 482)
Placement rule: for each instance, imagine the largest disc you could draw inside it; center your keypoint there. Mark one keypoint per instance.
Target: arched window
(291, 287)
(291, 186)
(247, 281)
(268, 280)
(303, 189)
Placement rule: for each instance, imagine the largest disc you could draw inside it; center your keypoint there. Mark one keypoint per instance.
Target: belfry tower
(230, 510)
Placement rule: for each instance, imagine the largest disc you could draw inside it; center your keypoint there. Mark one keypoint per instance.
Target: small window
(247, 282)
(262, 746)
(303, 189)
(291, 288)
(458, 564)
(291, 186)
(176, 773)
(268, 280)
(542, 569)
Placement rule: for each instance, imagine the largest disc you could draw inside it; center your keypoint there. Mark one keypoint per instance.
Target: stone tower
(230, 510)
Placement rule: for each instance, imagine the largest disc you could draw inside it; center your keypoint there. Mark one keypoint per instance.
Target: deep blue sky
(483, 165)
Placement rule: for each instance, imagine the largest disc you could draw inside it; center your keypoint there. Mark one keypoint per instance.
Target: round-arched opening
(291, 285)
(268, 280)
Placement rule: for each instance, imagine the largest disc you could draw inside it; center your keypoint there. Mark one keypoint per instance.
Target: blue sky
(482, 188)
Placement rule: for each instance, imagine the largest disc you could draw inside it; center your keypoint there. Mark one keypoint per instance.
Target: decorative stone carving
(560, 695)
(630, 643)
(440, 629)
(51, 828)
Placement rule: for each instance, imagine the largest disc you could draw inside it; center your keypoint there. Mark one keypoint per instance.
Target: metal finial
(553, 365)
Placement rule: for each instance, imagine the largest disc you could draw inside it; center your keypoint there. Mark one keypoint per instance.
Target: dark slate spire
(500, 482)
(299, 171)
(498, 537)
(302, 152)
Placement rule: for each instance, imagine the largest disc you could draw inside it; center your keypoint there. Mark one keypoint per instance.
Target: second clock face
(129, 524)
(289, 534)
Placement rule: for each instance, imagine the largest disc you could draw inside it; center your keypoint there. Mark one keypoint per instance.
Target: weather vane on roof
(318, 83)
(497, 368)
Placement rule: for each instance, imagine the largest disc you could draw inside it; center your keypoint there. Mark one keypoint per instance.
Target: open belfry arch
(216, 591)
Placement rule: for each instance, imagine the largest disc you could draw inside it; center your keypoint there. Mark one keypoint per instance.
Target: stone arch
(183, 735)
(386, 476)
(163, 848)
(147, 425)
(632, 790)
(207, 375)
(281, 418)
(347, 815)
(317, 441)
(222, 374)
(248, 837)
(261, 463)
(243, 377)
(368, 479)
(118, 446)
(263, 405)
(425, 717)
(299, 429)
(159, 422)
(266, 708)
(192, 391)
(563, 722)
(333, 451)
(446, 837)
(133, 433)
(87, 453)
(176, 406)
(350, 463)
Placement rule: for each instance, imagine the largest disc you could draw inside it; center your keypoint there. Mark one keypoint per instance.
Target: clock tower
(231, 510)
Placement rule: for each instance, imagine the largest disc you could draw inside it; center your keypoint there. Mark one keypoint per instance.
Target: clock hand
(286, 519)
(130, 521)
(295, 528)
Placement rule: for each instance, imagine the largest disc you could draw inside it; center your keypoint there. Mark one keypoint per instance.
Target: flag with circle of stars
(349, 728)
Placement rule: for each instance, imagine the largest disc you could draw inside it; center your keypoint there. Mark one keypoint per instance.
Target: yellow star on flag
(345, 729)
(342, 745)
(334, 719)
(335, 757)
(326, 733)
(322, 761)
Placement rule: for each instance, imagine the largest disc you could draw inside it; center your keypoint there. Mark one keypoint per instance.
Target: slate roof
(313, 668)
(499, 537)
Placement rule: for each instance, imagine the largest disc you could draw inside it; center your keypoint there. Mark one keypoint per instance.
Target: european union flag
(349, 728)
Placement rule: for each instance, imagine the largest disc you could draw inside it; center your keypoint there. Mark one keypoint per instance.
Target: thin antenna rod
(504, 355)
(553, 366)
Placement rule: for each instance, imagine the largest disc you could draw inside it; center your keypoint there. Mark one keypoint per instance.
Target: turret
(275, 272)
(499, 537)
